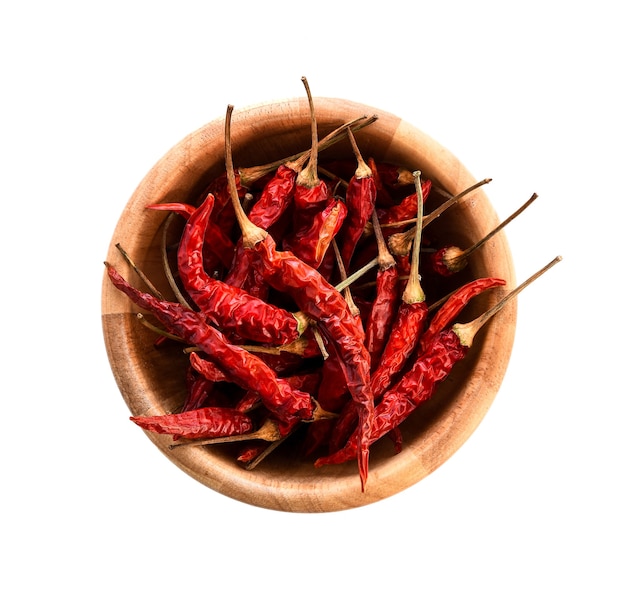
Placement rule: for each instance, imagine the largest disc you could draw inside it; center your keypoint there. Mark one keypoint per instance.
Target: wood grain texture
(152, 382)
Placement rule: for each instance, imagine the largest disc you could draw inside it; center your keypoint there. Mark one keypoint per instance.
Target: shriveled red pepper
(239, 366)
(360, 200)
(403, 337)
(407, 208)
(216, 243)
(228, 307)
(199, 388)
(415, 387)
(410, 319)
(454, 304)
(203, 423)
(275, 198)
(386, 301)
(311, 193)
(418, 385)
(316, 298)
(393, 175)
(311, 240)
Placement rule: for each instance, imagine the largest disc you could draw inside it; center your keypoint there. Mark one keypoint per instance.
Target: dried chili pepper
(228, 307)
(386, 302)
(418, 385)
(403, 337)
(275, 198)
(199, 388)
(410, 318)
(311, 240)
(453, 305)
(241, 367)
(203, 423)
(316, 298)
(217, 244)
(277, 195)
(311, 191)
(451, 259)
(360, 200)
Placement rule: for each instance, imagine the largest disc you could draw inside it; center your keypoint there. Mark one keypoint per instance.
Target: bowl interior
(152, 381)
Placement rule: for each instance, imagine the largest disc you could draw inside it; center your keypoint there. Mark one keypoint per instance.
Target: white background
(530, 510)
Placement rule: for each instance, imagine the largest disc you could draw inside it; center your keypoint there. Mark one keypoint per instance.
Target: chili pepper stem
(166, 265)
(296, 162)
(467, 331)
(362, 169)
(385, 258)
(267, 432)
(399, 243)
(455, 258)
(413, 292)
(342, 273)
(320, 341)
(144, 322)
(151, 287)
(264, 454)
(308, 176)
(250, 233)
(342, 285)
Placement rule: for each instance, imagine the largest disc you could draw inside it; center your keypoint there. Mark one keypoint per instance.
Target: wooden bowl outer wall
(152, 383)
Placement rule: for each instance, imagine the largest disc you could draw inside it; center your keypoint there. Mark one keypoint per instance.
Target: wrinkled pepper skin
(229, 308)
(318, 299)
(203, 423)
(239, 366)
(455, 303)
(414, 388)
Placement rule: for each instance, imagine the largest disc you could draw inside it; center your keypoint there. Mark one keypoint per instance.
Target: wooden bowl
(152, 381)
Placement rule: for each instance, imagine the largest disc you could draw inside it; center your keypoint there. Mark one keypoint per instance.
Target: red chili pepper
(275, 198)
(203, 423)
(454, 304)
(360, 200)
(198, 390)
(311, 240)
(216, 243)
(383, 197)
(414, 388)
(418, 385)
(311, 193)
(228, 307)
(410, 319)
(315, 297)
(406, 209)
(386, 301)
(239, 366)
(403, 336)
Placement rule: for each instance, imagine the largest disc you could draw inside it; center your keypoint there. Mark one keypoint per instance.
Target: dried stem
(413, 292)
(166, 263)
(249, 176)
(151, 287)
(250, 233)
(501, 226)
(342, 273)
(362, 169)
(385, 258)
(268, 432)
(466, 332)
(308, 176)
(400, 243)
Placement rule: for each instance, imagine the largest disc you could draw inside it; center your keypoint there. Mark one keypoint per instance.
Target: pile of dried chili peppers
(301, 303)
